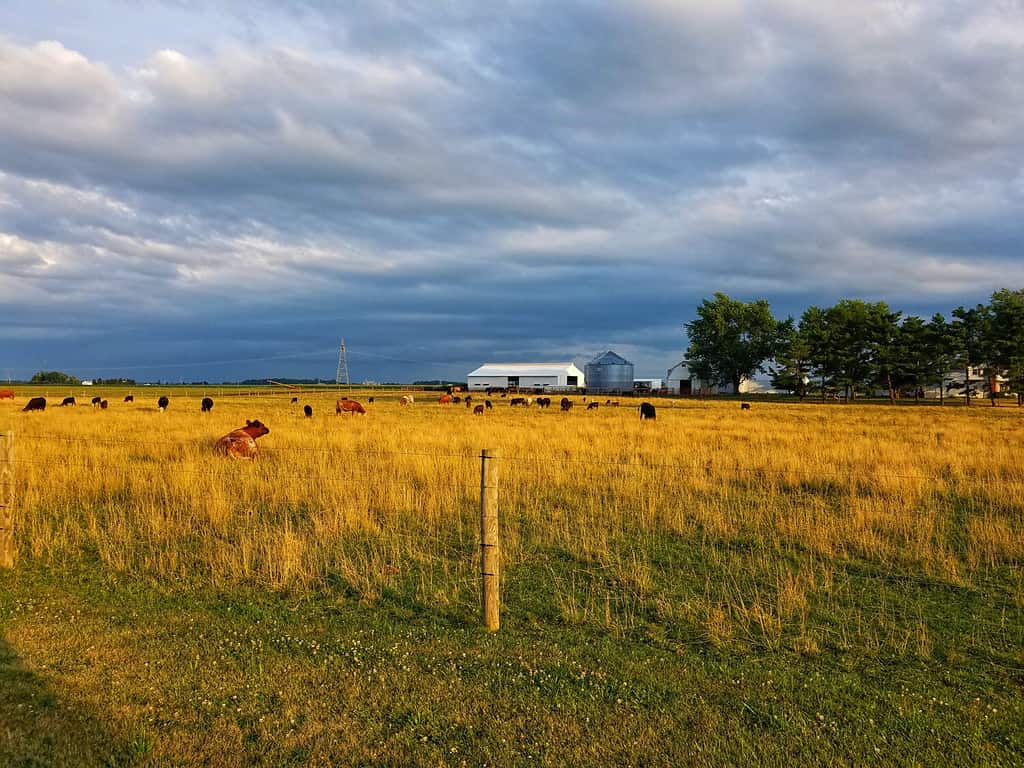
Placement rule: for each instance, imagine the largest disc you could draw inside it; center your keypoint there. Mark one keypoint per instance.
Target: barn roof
(524, 369)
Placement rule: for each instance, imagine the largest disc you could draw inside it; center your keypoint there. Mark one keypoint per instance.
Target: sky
(201, 190)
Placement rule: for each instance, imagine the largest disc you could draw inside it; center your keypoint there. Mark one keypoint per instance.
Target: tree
(972, 336)
(793, 367)
(55, 377)
(1007, 337)
(853, 344)
(730, 340)
(940, 342)
(912, 355)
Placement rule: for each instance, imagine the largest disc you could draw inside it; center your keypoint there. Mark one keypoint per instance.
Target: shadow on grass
(36, 729)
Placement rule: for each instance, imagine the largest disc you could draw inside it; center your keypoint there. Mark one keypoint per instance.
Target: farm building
(680, 380)
(608, 372)
(526, 376)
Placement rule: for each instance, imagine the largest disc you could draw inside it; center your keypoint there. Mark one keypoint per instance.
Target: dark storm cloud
(446, 183)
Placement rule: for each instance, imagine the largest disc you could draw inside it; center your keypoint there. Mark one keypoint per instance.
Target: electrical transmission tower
(341, 377)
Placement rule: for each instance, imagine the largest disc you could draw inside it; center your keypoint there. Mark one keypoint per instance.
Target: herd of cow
(241, 443)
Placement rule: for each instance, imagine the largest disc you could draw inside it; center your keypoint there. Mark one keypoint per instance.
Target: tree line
(856, 347)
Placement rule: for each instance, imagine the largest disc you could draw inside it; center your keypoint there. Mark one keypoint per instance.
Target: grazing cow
(647, 411)
(96, 400)
(444, 399)
(6, 394)
(744, 406)
(129, 398)
(241, 443)
(566, 404)
(206, 406)
(515, 401)
(69, 401)
(488, 404)
(456, 399)
(478, 410)
(308, 410)
(162, 403)
(406, 400)
(295, 399)
(35, 404)
(348, 406)
(103, 404)
(592, 406)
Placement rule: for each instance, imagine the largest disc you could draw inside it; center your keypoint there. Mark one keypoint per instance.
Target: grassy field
(792, 585)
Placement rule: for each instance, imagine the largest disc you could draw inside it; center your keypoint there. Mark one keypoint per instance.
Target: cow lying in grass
(241, 443)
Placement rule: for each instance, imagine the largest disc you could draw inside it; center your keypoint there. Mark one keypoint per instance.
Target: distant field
(796, 584)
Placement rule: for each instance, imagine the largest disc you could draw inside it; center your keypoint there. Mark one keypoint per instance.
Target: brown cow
(444, 399)
(592, 406)
(478, 410)
(6, 394)
(348, 406)
(566, 404)
(241, 444)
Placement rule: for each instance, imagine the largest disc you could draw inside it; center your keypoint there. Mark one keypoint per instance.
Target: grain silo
(609, 373)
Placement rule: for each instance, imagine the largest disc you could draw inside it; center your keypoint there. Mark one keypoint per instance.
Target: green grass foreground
(98, 668)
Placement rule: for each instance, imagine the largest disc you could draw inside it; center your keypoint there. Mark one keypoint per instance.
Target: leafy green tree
(941, 344)
(912, 355)
(1007, 337)
(793, 362)
(730, 340)
(972, 336)
(55, 377)
(854, 344)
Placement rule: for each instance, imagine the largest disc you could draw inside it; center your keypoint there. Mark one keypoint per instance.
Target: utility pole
(341, 377)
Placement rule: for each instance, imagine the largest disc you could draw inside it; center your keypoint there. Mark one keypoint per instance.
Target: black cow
(487, 403)
(456, 399)
(96, 400)
(591, 406)
(162, 403)
(129, 398)
(647, 411)
(295, 399)
(308, 410)
(35, 404)
(69, 401)
(207, 405)
(369, 399)
(103, 404)
(744, 406)
(566, 404)
(517, 401)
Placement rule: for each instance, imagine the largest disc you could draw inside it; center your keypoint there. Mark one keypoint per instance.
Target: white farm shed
(680, 380)
(526, 376)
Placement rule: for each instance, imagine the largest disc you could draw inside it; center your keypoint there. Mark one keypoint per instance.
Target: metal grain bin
(609, 373)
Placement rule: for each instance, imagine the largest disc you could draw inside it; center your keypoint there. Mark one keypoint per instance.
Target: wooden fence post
(7, 551)
(490, 552)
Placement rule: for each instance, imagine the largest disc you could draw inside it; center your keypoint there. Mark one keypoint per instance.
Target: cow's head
(255, 429)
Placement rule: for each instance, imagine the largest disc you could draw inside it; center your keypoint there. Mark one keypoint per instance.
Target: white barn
(679, 380)
(526, 376)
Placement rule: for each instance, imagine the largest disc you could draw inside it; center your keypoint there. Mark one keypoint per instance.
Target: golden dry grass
(375, 500)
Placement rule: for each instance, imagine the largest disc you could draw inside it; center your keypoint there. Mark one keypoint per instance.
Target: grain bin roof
(609, 358)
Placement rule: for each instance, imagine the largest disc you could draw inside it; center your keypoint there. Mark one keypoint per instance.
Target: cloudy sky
(192, 189)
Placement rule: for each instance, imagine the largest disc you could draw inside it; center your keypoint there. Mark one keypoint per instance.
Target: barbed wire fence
(480, 550)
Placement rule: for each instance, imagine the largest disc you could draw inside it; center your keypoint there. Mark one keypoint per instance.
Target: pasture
(796, 584)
